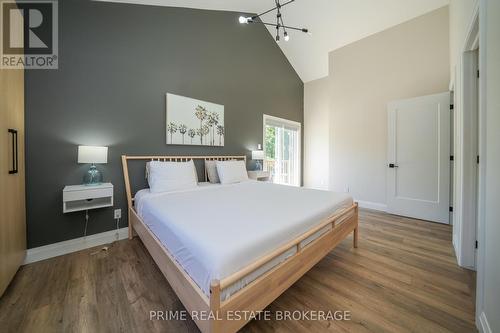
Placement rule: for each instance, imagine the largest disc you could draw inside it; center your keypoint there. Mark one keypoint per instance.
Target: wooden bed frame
(213, 314)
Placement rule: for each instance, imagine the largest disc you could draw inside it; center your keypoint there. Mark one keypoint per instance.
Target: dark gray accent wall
(117, 62)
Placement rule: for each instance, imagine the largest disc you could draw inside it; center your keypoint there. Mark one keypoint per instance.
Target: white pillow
(231, 171)
(213, 176)
(171, 176)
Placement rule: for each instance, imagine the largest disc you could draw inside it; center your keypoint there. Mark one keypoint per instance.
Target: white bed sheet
(215, 230)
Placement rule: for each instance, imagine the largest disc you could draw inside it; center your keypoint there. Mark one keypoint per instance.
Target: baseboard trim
(372, 205)
(484, 326)
(73, 245)
(454, 242)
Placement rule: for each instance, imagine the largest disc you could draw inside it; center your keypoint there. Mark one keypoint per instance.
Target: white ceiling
(333, 23)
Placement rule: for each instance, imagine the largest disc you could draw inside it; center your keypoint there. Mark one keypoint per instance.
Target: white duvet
(214, 231)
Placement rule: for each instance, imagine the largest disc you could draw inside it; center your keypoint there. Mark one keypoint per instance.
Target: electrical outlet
(118, 214)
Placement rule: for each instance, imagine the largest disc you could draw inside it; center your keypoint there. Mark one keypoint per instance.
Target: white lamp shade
(92, 154)
(257, 154)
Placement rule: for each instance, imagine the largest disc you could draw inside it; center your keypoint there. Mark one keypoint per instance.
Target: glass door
(282, 150)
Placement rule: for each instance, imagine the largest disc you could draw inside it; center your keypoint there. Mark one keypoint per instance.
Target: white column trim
(484, 326)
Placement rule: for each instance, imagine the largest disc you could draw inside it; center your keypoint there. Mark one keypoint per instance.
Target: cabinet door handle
(15, 153)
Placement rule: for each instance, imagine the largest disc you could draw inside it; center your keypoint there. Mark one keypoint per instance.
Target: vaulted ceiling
(333, 23)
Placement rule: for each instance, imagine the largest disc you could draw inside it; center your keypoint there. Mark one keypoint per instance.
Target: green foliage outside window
(270, 142)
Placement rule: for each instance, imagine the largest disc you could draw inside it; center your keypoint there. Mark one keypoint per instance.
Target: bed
(234, 248)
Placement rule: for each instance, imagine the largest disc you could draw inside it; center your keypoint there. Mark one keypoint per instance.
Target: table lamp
(258, 156)
(92, 155)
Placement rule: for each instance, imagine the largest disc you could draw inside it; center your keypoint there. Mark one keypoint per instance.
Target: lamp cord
(86, 223)
(117, 229)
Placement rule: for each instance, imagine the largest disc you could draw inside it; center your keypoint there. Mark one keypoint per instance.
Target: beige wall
(316, 133)
(408, 60)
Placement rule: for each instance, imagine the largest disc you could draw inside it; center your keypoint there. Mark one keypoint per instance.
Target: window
(282, 140)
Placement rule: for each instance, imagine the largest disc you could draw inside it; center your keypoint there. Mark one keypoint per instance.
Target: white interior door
(418, 173)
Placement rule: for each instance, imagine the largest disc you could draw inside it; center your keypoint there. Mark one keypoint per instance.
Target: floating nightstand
(81, 197)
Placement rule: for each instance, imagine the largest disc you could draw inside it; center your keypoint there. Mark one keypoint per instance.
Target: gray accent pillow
(213, 176)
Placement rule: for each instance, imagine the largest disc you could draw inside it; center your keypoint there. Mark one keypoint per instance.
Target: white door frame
(480, 15)
(464, 227)
(466, 150)
(292, 123)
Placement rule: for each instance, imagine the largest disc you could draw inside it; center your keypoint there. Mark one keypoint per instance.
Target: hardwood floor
(402, 278)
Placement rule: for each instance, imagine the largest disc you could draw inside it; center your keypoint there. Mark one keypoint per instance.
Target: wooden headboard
(164, 158)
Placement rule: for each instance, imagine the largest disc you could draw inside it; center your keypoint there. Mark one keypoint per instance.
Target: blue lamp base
(258, 165)
(93, 176)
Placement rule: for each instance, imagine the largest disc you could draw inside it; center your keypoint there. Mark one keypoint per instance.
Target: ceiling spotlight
(243, 19)
(278, 38)
(287, 37)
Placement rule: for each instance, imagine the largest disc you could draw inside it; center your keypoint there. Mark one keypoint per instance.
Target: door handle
(392, 165)
(15, 153)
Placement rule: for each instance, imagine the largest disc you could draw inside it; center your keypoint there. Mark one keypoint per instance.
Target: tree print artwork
(202, 122)
(171, 128)
(213, 120)
(191, 134)
(201, 114)
(220, 132)
(182, 130)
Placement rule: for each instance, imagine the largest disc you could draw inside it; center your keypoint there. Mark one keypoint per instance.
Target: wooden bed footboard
(269, 286)
(212, 312)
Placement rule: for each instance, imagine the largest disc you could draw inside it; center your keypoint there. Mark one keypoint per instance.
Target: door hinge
(478, 73)
(451, 209)
(452, 158)
(451, 106)
(477, 244)
(477, 159)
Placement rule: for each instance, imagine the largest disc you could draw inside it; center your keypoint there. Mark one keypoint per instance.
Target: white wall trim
(481, 233)
(372, 205)
(484, 326)
(455, 242)
(465, 151)
(73, 245)
(472, 29)
(469, 114)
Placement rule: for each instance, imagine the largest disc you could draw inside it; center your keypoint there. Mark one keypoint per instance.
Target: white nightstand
(85, 197)
(259, 175)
